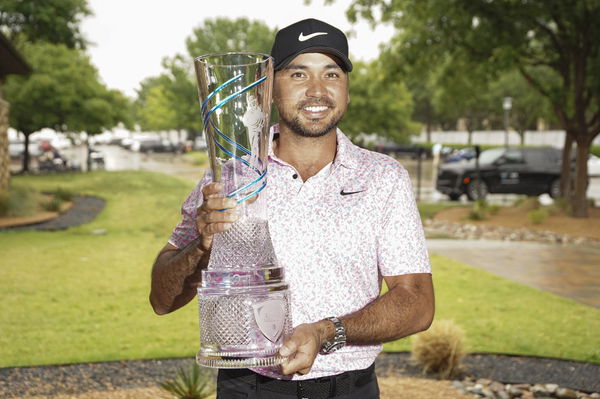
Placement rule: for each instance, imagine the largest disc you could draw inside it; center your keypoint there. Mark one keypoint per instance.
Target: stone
(514, 391)
(488, 393)
(566, 393)
(503, 395)
(551, 388)
(458, 384)
(497, 386)
(539, 391)
(477, 389)
(595, 395)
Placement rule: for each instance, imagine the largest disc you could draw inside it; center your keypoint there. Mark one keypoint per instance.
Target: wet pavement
(569, 271)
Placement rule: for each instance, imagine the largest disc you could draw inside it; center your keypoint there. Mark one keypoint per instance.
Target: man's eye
(333, 75)
(297, 75)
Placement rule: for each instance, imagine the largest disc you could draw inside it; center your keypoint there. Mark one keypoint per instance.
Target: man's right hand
(216, 214)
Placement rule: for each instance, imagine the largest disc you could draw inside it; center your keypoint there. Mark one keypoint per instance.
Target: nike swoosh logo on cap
(303, 38)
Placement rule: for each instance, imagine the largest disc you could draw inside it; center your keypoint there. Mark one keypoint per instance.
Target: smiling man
(342, 219)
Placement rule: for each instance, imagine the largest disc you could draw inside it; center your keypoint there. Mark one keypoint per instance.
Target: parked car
(16, 148)
(153, 145)
(403, 150)
(529, 171)
(460, 155)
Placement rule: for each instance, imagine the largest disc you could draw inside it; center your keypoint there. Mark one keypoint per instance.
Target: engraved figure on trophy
(243, 299)
(254, 120)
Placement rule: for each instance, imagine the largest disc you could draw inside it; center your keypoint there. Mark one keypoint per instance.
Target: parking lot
(118, 158)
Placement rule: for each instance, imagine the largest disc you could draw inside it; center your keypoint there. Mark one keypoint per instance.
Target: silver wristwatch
(339, 339)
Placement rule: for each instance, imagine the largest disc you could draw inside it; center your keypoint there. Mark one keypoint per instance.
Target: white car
(16, 149)
(593, 165)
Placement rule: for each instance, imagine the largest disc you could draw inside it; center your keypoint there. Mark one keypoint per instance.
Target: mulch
(85, 208)
(88, 377)
(97, 377)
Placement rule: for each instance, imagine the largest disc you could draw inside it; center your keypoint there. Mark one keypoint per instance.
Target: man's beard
(305, 130)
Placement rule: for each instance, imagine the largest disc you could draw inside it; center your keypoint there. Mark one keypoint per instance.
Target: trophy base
(222, 362)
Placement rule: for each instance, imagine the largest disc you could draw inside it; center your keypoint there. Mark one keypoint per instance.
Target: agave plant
(189, 383)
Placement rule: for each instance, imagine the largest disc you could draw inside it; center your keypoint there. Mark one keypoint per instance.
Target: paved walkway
(572, 272)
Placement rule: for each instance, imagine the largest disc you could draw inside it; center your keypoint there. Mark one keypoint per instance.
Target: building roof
(11, 62)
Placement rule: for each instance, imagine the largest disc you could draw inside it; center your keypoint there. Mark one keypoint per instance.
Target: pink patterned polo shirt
(336, 235)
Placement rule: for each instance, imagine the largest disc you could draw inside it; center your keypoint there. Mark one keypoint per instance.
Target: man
(341, 219)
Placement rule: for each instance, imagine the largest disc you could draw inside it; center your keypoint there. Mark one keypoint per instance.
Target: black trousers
(245, 384)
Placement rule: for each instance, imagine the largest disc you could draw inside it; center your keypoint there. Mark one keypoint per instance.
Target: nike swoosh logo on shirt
(350, 192)
(303, 38)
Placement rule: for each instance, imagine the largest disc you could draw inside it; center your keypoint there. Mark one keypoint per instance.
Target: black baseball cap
(310, 36)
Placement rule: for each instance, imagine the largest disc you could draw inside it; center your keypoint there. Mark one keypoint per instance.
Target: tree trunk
(566, 167)
(522, 137)
(26, 153)
(579, 201)
(88, 158)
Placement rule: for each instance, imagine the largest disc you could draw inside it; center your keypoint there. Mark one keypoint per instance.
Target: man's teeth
(316, 109)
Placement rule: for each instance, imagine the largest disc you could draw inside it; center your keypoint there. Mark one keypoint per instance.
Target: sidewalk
(571, 272)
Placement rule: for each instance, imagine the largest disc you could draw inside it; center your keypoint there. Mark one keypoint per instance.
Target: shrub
(591, 202)
(440, 349)
(18, 201)
(493, 209)
(63, 194)
(537, 216)
(479, 210)
(189, 384)
(529, 204)
(52, 205)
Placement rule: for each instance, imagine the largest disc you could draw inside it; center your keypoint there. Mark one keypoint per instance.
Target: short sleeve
(401, 247)
(186, 231)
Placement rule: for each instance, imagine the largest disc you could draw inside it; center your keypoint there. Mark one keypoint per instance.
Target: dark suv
(529, 171)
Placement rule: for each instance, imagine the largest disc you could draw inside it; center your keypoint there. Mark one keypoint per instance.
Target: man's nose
(316, 88)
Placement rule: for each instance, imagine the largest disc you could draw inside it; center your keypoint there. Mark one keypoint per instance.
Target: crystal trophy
(243, 299)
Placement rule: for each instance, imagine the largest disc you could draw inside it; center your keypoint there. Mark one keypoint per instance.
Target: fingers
(217, 213)
(299, 362)
(211, 189)
(300, 349)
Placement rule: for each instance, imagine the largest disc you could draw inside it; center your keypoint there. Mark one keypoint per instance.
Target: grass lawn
(501, 316)
(72, 296)
(197, 158)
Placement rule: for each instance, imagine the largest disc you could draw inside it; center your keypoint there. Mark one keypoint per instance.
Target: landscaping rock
(539, 391)
(566, 393)
(477, 232)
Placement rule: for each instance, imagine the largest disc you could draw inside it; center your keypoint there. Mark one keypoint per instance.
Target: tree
(537, 37)
(461, 92)
(170, 100)
(528, 106)
(52, 21)
(221, 35)
(63, 93)
(377, 106)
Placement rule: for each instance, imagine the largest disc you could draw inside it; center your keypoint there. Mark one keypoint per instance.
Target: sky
(129, 38)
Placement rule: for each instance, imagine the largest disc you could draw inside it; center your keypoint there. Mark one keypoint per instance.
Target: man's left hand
(302, 347)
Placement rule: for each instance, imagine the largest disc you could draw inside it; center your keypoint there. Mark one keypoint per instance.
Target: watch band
(339, 339)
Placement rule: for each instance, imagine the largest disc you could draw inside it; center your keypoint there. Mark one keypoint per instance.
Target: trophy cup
(243, 298)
